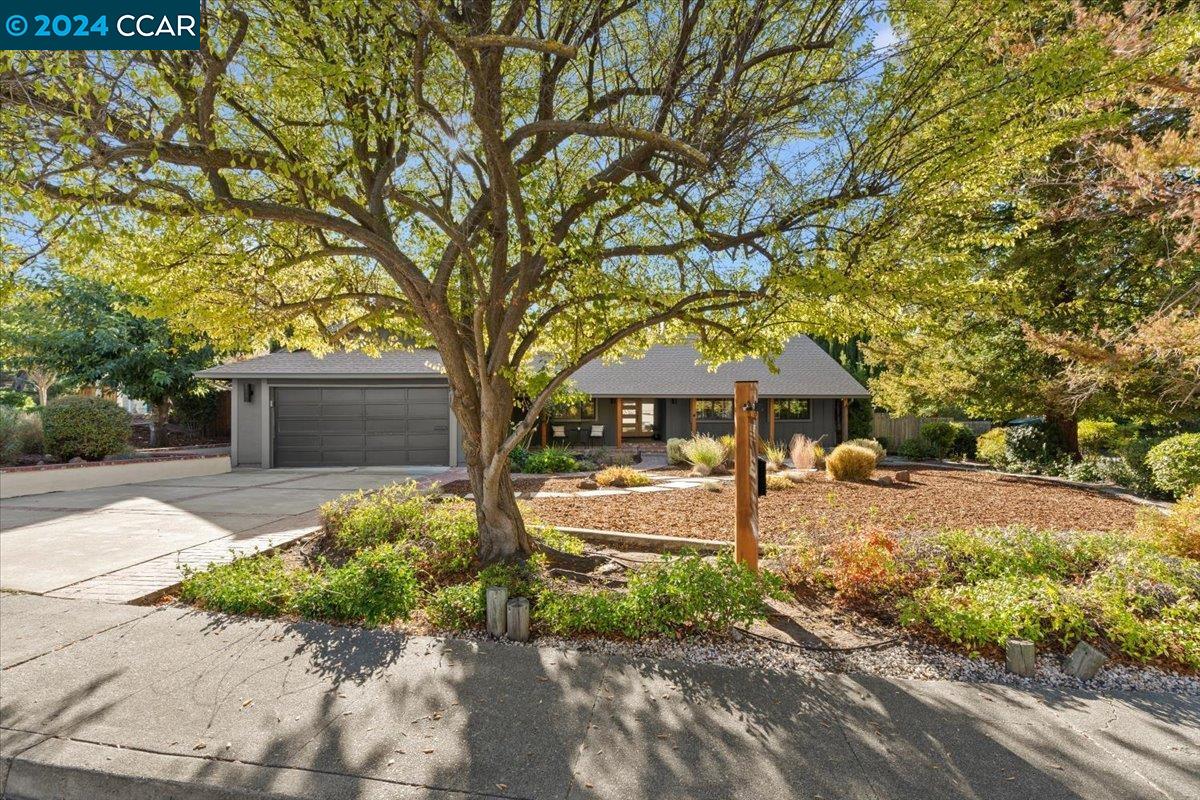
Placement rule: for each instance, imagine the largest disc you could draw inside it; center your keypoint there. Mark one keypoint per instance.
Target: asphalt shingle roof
(804, 370)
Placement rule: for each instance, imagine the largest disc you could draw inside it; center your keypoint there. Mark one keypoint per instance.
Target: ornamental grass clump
(704, 453)
(775, 455)
(805, 452)
(849, 462)
(622, 477)
(872, 445)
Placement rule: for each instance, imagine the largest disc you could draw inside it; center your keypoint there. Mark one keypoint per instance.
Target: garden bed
(936, 498)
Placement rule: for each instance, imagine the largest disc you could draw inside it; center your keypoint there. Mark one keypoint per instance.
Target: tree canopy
(511, 180)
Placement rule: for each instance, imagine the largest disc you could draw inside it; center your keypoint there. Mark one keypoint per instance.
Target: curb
(648, 541)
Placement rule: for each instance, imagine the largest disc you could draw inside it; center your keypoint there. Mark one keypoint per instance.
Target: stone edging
(647, 541)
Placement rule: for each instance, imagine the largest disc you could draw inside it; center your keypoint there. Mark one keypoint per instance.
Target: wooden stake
(745, 478)
(497, 610)
(518, 619)
(1019, 657)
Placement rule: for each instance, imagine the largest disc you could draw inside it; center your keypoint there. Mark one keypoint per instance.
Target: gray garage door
(346, 426)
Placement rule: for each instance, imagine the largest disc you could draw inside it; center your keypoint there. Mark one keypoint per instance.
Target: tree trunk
(502, 534)
(158, 423)
(1066, 428)
(43, 393)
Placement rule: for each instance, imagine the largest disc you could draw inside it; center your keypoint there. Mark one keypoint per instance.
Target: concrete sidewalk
(102, 701)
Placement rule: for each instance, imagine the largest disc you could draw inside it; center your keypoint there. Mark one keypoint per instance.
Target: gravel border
(906, 659)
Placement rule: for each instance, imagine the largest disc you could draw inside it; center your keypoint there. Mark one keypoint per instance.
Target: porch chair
(558, 433)
(597, 434)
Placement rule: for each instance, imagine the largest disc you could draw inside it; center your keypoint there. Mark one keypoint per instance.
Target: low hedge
(85, 427)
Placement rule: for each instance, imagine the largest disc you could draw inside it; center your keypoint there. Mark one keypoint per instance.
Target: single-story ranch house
(292, 409)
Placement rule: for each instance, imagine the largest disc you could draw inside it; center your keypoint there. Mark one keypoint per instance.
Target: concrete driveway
(122, 543)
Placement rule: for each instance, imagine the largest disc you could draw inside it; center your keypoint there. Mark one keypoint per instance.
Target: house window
(793, 408)
(714, 409)
(576, 412)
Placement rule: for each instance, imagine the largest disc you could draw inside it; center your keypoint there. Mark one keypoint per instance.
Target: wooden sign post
(745, 472)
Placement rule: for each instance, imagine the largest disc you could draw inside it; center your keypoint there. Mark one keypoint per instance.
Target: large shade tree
(507, 180)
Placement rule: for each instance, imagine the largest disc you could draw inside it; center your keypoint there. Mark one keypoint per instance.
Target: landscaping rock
(76, 460)
(1084, 662)
(588, 483)
(885, 480)
(1019, 657)
(903, 476)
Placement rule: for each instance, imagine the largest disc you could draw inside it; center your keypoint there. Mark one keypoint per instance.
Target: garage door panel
(292, 396)
(347, 426)
(341, 396)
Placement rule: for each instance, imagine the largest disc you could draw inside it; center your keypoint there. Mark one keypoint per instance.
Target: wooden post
(1019, 657)
(693, 414)
(497, 610)
(845, 418)
(745, 477)
(545, 425)
(771, 419)
(518, 619)
(620, 422)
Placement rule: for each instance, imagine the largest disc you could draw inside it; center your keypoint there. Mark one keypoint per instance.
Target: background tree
(507, 180)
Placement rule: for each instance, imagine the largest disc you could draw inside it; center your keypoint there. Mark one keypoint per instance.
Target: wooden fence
(901, 429)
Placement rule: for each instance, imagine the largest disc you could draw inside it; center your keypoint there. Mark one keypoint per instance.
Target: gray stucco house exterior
(292, 409)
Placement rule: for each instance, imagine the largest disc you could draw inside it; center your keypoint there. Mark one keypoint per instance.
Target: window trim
(702, 417)
(807, 403)
(577, 407)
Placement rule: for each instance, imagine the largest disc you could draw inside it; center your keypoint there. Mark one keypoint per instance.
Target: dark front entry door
(360, 426)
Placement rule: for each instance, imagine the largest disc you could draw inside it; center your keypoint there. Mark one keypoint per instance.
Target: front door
(637, 418)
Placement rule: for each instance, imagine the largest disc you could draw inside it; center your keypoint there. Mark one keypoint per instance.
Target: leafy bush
(778, 482)
(1139, 477)
(1098, 436)
(518, 457)
(991, 447)
(376, 585)
(1177, 531)
(705, 452)
(1032, 444)
(551, 459)
(21, 401)
(775, 455)
(917, 448)
(622, 476)
(553, 537)
(804, 452)
(364, 519)
(456, 607)
(198, 412)
(675, 451)
(258, 584)
(20, 434)
(849, 462)
(685, 594)
(1175, 464)
(863, 567)
(872, 445)
(964, 444)
(941, 434)
(85, 427)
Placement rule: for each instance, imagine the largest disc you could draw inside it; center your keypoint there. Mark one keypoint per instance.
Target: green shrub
(375, 586)
(940, 434)
(705, 452)
(964, 444)
(553, 537)
(872, 445)
(85, 427)
(622, 476)
(1175, 464)
(365, 519)
(985, 553)
(849, 462)
(21, 401)
(917, 448)
(1097, 436)
(675, 451)
(991, 447)
(456, 607)
(1139, 477)
(551, 459)
(1176, 531)
(562, 611)
(20, 434)
(258, 584)
(518, 458)
(1035, 443)
(198, 413)
(987, 613)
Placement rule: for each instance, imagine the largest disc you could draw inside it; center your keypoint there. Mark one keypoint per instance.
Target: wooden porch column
(544, 426)
(693, 415)
(845, 420)
(771, 419)
(620, 423)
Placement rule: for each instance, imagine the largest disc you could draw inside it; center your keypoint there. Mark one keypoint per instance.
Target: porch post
(693, 416)
(771, 419)
(845, 421)
(544, 426)
(620, 422)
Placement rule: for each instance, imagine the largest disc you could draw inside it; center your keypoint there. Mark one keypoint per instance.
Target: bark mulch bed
(524, 485)
(936, 499)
